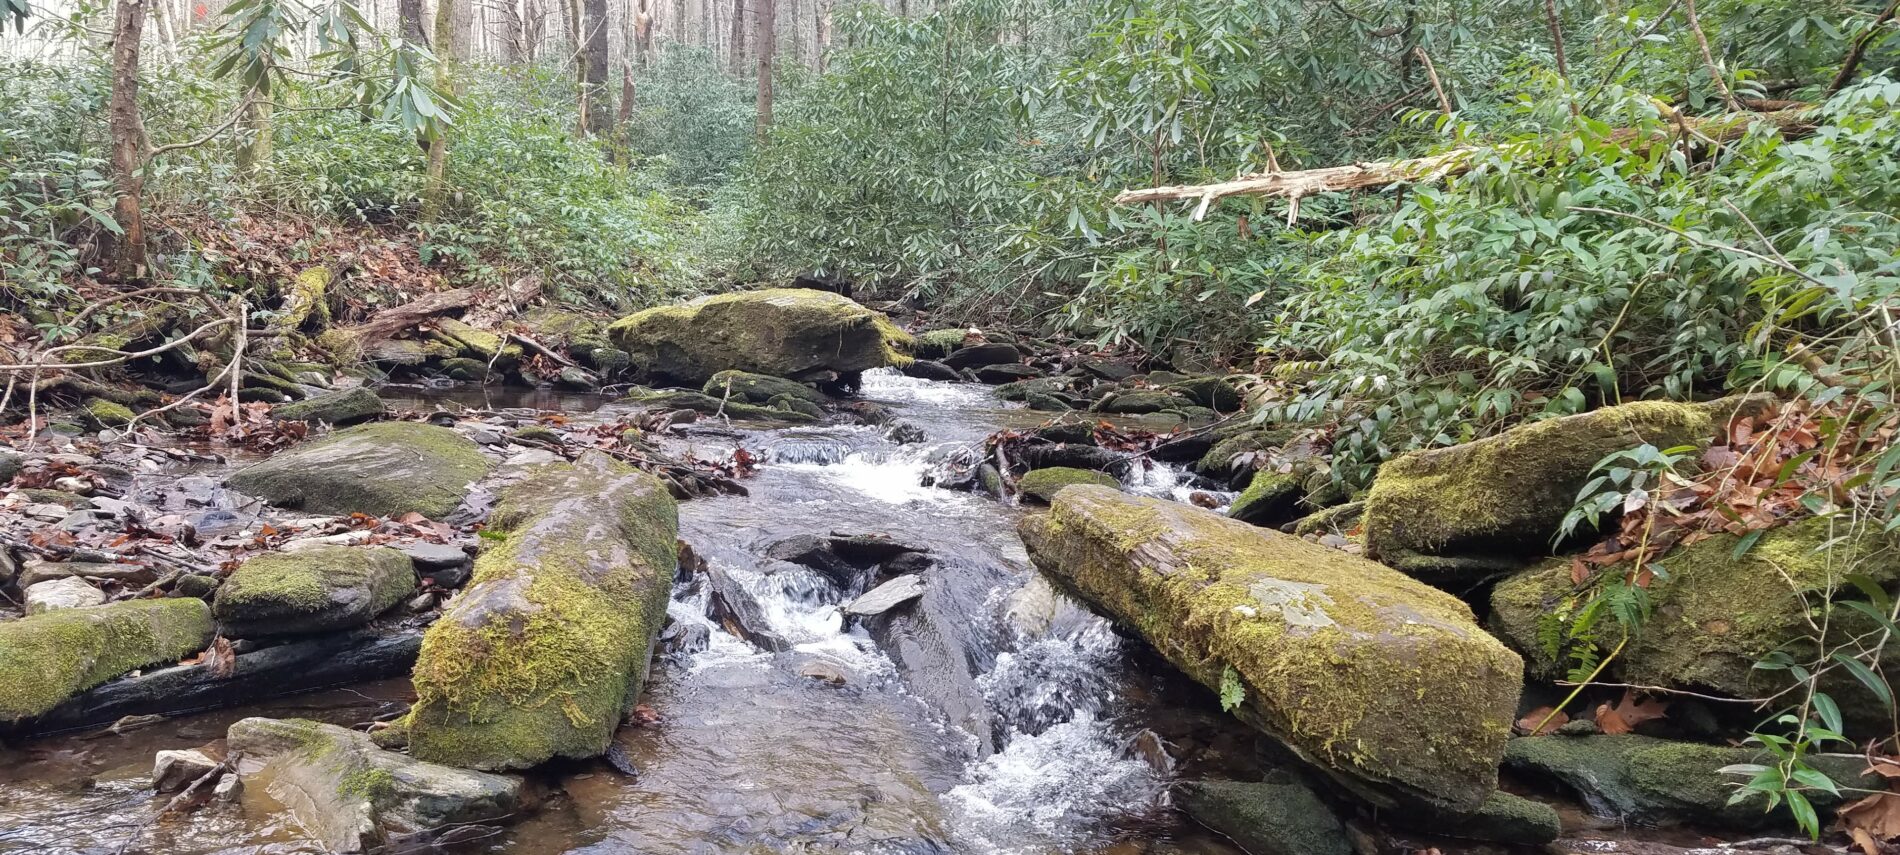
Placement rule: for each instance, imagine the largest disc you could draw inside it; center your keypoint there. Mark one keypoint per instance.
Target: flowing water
(996, 716)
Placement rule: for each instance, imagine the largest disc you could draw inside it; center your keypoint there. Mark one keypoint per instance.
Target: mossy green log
(1715, 615)
(1449, 515)
(314, 589)
(47, 658)
(784, 332)
(1386, 683)
(1042, 485)
(548, 646)
(384, 469)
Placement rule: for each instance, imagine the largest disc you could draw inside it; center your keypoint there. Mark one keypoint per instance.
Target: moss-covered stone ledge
(1384, 682)
(548, 646)
(1450, 515)
(47, 658)
(315, 589)
(783, 332)
(384, 469)
(1042, 485)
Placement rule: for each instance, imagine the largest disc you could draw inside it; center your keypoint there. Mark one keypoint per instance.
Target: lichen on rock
(47, 658)
(381, 469)
(1383, 681)
(783, 332)
(547, 647)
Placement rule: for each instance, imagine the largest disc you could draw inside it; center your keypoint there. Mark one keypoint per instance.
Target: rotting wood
(1368, 176)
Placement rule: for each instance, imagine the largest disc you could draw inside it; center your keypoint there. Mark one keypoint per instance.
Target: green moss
(700, 402)
(1215, 391)
(536, 433)
(312, 590)
(1382, 679)
(47, 658)
(1448, 514)
(937, 344)
(480, 344)
(783, 332)
(547, 647)
(1279, 816)
(1337, 519)
(377, 786)
(381, 469)
(304, 299)
(338, 408)
(1217, 462)
(1270, 499)
(1043, 484)
(104, 413)
(758, 388)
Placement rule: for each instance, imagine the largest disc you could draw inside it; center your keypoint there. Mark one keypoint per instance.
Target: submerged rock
(1279, 816)
(1502, 818)
(1042, 485)
(384, 469)
(352, 795)
(784, 332)
(1385, 682)
(548, 646)
(1446, 515)
(338, 408)
(47, 658)
(1715, 615)
(316, 589)
(1644, 780)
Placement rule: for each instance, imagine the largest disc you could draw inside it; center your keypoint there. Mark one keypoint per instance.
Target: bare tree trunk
(594, 66)
(738, 36)
(463, 26)
(514, 46)
(128, 138)
(411, 13)
(768, 45)
(642, 38)
(821, 22)
(435, 191)
(254, 146)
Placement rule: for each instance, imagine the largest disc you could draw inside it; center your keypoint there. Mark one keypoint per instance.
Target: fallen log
(1367, 176)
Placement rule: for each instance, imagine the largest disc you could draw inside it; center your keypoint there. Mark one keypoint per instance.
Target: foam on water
(1049, 789)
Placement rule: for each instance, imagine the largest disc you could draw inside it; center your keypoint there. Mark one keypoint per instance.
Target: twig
(1431, 73)
(1708, 58)
(1778, 263)
(1859, 50)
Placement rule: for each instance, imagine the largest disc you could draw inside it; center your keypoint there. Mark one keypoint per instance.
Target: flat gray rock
(887, 596)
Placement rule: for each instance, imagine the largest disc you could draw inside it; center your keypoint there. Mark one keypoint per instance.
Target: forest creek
(949, 427)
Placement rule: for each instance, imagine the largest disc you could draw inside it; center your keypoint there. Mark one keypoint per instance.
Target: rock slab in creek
(1383, 681)
(1279, 816)
(352, 795)
(1446, 515)
(887, 596)
(316, 589)
(47, 658)
(385, 469)
(347, 407)
(1644, 780)
(548, 646)
(783, 332)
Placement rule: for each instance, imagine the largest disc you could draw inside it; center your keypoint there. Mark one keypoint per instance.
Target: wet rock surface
(319, 589)
(779, 332)
(383, 469)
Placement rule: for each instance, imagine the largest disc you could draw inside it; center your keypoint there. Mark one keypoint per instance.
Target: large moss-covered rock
(1715, 615)
(758, 388)
(354, 796)
(1641, 779)
(1042, 484)
(47, 658)
(784, 332)
(1446, 515)
(1385, 682)
(383, 469)
(1278, 816)
(547, 647)
(315, 589)
(347, 407)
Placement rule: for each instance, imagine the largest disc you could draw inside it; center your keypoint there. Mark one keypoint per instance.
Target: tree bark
(410, 11)
(642, 32)
(1366, 176)
(821, 23)
(254, 146)
(514, 47)
(435, 191)
(738, 37)
(768, 46)
(594, 66)
(128, 139)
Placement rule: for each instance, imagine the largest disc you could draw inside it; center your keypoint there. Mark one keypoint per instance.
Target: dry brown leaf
(1877, 815)
(1531, 721)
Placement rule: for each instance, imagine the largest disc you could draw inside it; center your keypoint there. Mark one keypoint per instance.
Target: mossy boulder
(1041, 485)
(1449, 515)
(384, 469)
(1384, 682)
(49, 657)
(937, 344)
(101, 413)
(465, 370)
(1644, 780)
(354, 796)
(1139, 402)
(700, 402)
(347, 407)
(1217, 392)
(758, 388)
(1715, 615)
(547, 648)
(1271, 498)
(315, 589)
(1218, 462)
(784, 332)
(490, 348)
(1502, 818)
(1278, 816)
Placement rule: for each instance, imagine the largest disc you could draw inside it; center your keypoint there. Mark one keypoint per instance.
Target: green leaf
(1233, 692)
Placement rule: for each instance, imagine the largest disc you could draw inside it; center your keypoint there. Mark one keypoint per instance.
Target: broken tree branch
(1859, 50)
